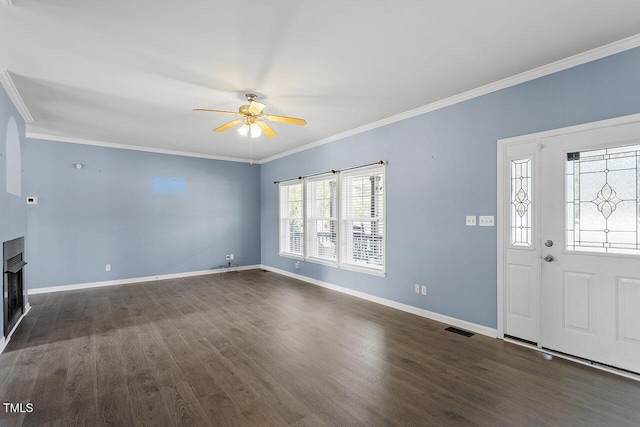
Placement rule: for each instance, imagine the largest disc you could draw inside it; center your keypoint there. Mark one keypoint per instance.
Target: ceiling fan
(252, 119)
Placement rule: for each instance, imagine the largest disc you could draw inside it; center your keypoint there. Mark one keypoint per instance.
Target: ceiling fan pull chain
(250, 149)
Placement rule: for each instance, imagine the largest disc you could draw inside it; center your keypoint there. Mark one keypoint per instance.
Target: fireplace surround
(13, 283)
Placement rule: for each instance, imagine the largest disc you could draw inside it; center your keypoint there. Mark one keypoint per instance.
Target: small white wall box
(32, 200)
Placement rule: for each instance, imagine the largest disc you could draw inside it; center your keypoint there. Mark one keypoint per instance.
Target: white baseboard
(5, 341)
(463, 324)
(35, 291)
(473, 327)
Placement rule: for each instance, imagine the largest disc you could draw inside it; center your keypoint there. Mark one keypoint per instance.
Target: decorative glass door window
(603, 200)
(521, 227)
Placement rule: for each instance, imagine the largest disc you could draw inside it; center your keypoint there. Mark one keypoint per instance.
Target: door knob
(548, 258)
(548, 243)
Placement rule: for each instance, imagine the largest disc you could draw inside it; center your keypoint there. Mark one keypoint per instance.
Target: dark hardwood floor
(257, 348)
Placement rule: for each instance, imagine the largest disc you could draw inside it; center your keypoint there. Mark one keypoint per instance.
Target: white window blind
(292, 218)
(336, 219)
(362, 218)
(322, 215)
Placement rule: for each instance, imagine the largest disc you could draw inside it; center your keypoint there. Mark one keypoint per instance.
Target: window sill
(365, 270)
(292, 256)
(322, 261)
(334, 264)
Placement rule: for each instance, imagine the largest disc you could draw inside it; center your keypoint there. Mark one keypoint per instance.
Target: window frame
(308, 236)
(373, 170)
(281, 220)
(338, 176)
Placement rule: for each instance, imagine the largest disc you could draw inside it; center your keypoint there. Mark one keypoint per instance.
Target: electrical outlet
(417, 288)
(297, 265)
(424, 289)
(471, 220)
(227, 257)
(232, 257)
(107, 267)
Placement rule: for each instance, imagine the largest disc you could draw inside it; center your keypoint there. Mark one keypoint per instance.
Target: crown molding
(554, 67)
(35, 135)
(7, 2)
(14, 95)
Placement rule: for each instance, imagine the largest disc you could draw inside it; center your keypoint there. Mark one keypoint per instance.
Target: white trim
(616, 121)
(14, 95)
(35, 291)
(474, 327)
(364, 270)
(594, 365)
(292, 256)
(501, 249)
(563, 64)
(35, 135)
(5, 341)
(323, 261)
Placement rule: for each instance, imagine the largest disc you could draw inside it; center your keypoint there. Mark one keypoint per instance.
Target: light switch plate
(486, 221)
(471, 220)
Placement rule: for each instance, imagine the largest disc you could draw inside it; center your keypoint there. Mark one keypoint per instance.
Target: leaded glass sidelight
(603, 200)
(521, 226)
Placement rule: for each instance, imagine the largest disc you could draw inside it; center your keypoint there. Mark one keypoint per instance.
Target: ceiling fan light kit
(254, 129)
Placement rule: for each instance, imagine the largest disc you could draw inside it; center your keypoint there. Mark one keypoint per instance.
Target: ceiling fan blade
(283, 119)
(256, 108)
(235, 113)
(266, 129)
(226, 126)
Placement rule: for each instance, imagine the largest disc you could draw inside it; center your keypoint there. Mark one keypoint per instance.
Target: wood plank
(254, 348)
(147, 406)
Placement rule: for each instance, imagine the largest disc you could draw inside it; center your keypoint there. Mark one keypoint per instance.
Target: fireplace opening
(13, 284)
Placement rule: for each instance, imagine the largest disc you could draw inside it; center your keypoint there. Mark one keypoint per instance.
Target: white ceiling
(129, 72)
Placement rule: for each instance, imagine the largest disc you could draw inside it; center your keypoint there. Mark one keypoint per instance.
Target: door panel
(628, 309)
(520, 290)
(578, 298)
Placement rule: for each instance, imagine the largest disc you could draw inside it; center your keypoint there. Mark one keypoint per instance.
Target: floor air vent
(459, 332)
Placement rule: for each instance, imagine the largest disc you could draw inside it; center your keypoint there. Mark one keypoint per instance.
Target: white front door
(590, 276)
(570, 264)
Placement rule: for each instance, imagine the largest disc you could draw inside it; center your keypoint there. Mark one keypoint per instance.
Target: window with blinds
(322, 218)
(362, 219)
(292, 218)
(336, 219)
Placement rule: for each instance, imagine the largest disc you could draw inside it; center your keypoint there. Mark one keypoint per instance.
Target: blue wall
(144, 213)
(13, 210)
(442, 167)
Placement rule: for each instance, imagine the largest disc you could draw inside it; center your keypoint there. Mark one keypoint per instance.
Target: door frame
(538, 138)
